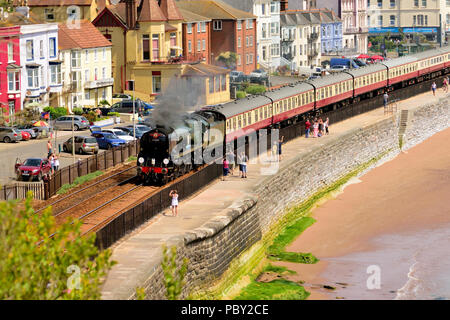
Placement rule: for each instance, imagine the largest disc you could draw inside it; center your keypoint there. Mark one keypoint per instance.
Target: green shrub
(103, 103)
(245, 85)
(56, 112)
(79, 180)
(111, 114)
(240, 94)
(91, 116)
(77, 111)
(256, 89)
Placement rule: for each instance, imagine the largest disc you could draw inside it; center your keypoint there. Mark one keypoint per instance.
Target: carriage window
(234, 123)
(256, 115)
(239, 122)
(244, 120)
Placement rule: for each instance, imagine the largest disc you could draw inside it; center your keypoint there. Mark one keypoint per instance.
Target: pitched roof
(203, 70)
(86, 36)
(54, 3)
(214, 9)
(189, 16)
(150, 11)
(170, 10)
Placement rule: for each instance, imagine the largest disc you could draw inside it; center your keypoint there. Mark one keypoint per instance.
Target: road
(36, 148)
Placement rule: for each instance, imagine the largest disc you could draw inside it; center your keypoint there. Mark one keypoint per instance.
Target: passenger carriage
(369, 79)
(402, 71)
(332, 89)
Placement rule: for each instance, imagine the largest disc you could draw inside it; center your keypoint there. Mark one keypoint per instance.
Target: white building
(86, 69)
(41, 75)
(268, 32)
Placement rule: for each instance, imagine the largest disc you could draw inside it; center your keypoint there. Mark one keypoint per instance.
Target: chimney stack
(131, 13)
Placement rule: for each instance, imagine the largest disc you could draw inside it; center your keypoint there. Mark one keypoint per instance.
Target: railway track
(72, 199)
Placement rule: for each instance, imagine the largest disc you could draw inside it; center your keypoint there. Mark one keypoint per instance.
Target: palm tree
(228, 58)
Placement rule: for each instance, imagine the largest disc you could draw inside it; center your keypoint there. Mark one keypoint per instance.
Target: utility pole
(134, 110)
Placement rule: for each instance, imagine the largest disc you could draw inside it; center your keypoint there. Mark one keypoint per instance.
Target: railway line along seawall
(233, 238)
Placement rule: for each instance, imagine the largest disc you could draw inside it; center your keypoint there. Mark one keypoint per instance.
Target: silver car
(65, 123)
(83, 144)
(8, 134)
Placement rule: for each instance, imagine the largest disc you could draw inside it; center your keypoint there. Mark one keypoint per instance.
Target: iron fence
(154, 204)
(19, 190)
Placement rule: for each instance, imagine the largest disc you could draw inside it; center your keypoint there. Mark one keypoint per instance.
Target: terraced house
(86, 66)
(231, 30)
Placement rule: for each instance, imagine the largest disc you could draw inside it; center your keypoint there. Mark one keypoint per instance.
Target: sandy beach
(393, 223)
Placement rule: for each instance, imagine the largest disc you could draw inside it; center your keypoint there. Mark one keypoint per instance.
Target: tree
(36, 265)
(228, 58)
(173, 275)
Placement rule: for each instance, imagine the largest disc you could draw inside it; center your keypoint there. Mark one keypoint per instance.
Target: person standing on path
(56, 159)
(226, 168)
(445, 85)
(49, 148)
(433, 88)
(230, 158)
(385, 99)
(52, 162)
(280, 142)
(316, 128)
(174, 205)
(243, 159)
(307, 128)
(327, 123)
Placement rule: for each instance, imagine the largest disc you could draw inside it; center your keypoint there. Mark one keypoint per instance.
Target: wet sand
(382, 220)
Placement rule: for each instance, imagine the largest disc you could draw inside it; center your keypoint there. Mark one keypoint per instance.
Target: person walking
(433, 88)
(445, 85)
(226, 168)
(243, 159)
(316, 128)
(280, 142)
(230, 156)
(174, 204)
(321, 129)
(327, 124)
(307, 128)
(52, 162)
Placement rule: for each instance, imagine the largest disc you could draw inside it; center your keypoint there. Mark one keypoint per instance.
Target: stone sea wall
(229, 246)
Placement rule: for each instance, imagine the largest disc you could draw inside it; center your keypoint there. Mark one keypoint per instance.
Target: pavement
(38, 148)
(139, 253)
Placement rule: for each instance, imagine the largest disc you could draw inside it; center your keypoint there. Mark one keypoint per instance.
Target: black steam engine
(156, 162)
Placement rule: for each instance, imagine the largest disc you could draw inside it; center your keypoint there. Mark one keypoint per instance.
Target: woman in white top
(174, 195)
(56, 160)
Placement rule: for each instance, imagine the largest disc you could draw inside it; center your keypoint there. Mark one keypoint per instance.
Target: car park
(237, 76)
(33, 168)
(107, 140)
(259, 76)
(83, 144)
(65, 123)
(120, 134)
(8, 134)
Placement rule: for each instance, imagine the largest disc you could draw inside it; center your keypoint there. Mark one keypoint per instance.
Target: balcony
(99, 83)
(288, 38)
(313, 37)
(312, 54)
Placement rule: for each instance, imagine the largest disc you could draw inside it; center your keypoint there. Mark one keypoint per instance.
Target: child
(174, 195)
(226, 168)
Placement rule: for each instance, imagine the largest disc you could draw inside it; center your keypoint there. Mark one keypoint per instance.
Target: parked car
(142, 127)
(33, 133)
(259, 76)
(33, 168)
(117, 97)
(65, 123)
(120, 134)
(107, 140)
(349, 63)
(129, 131)
(83, 144)
(126, 106)
(338, 68)
(8, 134)
(41, 132)
(237, 76)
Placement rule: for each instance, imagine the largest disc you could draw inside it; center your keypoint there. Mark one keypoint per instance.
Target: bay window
(33, 78)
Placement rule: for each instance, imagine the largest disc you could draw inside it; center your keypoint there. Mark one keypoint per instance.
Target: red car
(33, 168)
(25, 135)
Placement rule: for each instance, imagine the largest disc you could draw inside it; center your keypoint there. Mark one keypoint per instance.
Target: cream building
(86, 66)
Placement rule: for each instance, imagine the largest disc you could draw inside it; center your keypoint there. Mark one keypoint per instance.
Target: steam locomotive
(282, 106)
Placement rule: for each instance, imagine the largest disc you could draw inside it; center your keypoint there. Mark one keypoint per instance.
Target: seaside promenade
(139, 253)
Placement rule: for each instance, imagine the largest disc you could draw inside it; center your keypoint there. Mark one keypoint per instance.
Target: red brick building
(230, 30)
(196, 37)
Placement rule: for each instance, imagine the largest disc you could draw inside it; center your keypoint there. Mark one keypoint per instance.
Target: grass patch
(255, 89)
(132, 158)
(80, 180)
(279, 289)
(277, 269)
(240, 94)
